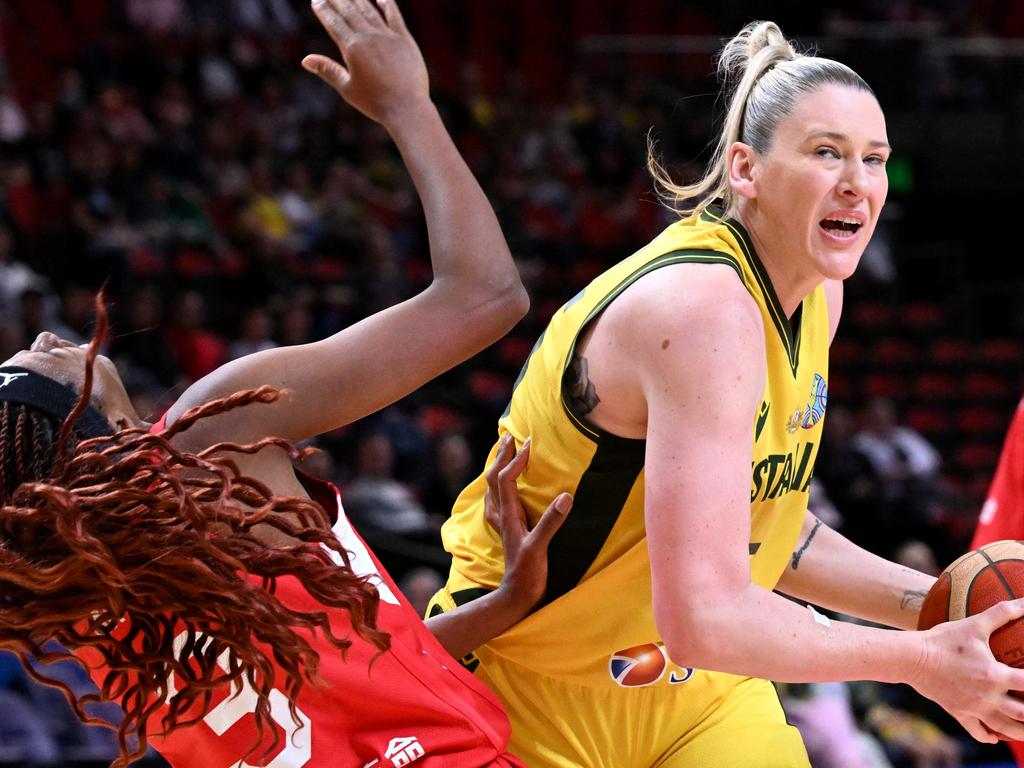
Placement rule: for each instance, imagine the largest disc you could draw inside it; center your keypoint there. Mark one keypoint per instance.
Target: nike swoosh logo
(762, 417)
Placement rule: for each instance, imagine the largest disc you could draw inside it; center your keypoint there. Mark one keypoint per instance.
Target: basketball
(976, 581)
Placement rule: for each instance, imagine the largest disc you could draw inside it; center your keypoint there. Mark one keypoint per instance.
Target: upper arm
(702, 390)
(355, 372)
(834, 297)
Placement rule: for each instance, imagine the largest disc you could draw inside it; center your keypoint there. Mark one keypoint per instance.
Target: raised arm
(702, 389)
(475, 297)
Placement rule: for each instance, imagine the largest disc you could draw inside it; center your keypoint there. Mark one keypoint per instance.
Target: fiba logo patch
(638, 666)
(819, 400)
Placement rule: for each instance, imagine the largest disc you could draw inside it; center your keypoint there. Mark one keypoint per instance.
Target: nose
(854, 182)
(45, 341)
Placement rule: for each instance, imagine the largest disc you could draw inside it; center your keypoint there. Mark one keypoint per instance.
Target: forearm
(467, 247)
(469, 626)
(820, 572)
(761, 634)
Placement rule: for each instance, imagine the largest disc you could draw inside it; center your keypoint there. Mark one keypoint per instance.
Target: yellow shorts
(558, 724)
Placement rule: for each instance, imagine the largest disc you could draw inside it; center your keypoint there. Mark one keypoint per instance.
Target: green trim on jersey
(790, 338)
(682, 256)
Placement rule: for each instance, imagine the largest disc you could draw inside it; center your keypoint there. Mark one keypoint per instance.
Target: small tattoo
(578, 388)
(913, 598)
(803, 547)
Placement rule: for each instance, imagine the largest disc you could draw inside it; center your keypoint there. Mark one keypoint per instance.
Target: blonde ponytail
(764, 75)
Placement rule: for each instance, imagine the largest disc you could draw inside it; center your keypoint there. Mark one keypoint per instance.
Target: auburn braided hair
(116, 546)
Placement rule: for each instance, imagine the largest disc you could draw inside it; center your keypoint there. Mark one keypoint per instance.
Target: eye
(827, 152)
(875, 160)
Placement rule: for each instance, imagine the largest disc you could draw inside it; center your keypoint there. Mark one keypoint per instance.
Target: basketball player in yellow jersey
(680, 399)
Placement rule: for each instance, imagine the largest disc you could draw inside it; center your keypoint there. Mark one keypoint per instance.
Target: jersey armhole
(684, 256)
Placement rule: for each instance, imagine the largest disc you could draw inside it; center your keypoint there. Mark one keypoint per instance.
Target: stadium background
(178, 152)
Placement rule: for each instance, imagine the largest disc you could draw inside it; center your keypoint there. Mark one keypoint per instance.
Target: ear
(742, 162)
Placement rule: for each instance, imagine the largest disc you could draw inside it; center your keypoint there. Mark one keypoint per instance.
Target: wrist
(406, 114)
(512, 602)
(913, 659)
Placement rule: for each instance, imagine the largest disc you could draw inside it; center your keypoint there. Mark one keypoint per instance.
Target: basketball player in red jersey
(221, 598)
(1002, 516)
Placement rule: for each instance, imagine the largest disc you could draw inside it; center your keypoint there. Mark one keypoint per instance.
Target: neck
(791, 282)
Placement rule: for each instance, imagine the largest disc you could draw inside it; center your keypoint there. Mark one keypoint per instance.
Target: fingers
(328, 70)
(501, 459)
(337, 26)
(392, 15)
(551, 520)
(1001, 726)
(513, 519)
(1002, 613)
(978, 731)
(367, 9)
(492, 509)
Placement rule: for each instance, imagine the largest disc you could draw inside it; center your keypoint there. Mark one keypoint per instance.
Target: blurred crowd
(175, 155)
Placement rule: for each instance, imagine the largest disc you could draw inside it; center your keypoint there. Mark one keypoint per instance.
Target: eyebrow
(876, 144)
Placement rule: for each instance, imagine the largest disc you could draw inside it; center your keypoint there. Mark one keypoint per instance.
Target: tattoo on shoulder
(578, 388)
(807, 542)
(913, 599)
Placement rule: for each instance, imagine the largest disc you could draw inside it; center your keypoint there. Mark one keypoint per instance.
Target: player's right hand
(381, 73)
(959, 672)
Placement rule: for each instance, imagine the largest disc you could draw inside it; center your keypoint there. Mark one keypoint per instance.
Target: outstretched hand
(526, 550)
(381, 70)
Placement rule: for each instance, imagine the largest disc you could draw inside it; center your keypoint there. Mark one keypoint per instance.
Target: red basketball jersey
(1002, 515)
(414, 705)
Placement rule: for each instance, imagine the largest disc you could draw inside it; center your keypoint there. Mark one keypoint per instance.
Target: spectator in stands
(906, 466)
(375, 499)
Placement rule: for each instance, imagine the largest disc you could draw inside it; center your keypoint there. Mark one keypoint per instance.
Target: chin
(840, 266)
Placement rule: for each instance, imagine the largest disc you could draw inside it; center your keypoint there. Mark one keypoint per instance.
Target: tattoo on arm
(913, 599)
(578, 388)
(807, 542)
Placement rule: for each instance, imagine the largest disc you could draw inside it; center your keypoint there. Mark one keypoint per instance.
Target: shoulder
(691, 320)
(692, 300)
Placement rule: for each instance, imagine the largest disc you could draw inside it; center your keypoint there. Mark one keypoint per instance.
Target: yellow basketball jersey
(596, 626)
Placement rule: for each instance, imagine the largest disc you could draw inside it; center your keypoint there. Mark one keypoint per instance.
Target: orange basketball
(976, 581)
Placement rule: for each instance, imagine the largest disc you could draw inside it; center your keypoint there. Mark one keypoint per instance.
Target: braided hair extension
(114, 546)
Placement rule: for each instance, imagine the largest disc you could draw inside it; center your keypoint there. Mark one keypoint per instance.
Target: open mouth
(841, 227)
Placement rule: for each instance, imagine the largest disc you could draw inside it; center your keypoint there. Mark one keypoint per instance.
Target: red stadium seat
(874, 317)
(1002, 353)
(885, 385)
(977, 457)
(933, 423)
(930, 387)
(950, 353)
(976, 421)
(989, 387)
(895, 353)
(922, 318)
(845, 352)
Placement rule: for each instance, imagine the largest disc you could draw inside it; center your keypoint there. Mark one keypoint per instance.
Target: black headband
(20, 385)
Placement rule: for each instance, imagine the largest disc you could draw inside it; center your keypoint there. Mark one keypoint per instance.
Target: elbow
(692, 635)
(498, 309)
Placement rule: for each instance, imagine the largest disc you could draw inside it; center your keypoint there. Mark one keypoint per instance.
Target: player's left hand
(526, 550)
(382, 71)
